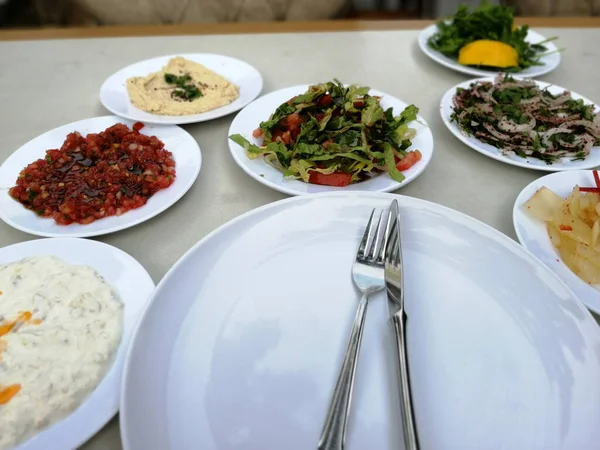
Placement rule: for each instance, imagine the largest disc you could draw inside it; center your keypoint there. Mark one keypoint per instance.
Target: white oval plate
(186, 154)
(114, 96)
(532, 233)
(260, 110)
(241, 345)
(134, 286)
(446, 109)
(551, 61)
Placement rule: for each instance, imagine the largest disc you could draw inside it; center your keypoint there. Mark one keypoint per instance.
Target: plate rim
(446, 102)
(436, 56)
(391, 186)
(118, 119)
(187, 119)
(517, 224)
(77, 437)
(403, 200)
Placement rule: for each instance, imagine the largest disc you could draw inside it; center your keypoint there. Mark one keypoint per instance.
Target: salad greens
(487, 21)
(335, 135)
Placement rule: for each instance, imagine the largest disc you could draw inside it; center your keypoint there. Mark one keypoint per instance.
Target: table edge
(261, 27)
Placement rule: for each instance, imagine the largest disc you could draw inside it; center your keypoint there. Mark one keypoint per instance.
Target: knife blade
(394, 283)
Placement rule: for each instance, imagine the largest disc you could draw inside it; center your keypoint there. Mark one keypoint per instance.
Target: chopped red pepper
(590, 189)
(138, 126)
(596, 189)
(566, 227)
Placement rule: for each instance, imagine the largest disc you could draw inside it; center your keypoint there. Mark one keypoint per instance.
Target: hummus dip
(60, 328)
(154, 94)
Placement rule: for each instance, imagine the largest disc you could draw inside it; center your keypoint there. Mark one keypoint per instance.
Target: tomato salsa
(100, 175)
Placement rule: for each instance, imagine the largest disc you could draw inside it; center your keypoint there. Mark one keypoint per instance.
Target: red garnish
(595, 190)
(138, 126)
(566, 227)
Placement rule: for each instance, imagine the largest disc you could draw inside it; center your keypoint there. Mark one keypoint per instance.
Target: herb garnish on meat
(183, 88)
(335, 135)
(518, 117)
(487, 21)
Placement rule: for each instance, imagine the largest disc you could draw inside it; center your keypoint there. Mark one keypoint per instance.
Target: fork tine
(386, 237)
(377, 240)
(365, 238)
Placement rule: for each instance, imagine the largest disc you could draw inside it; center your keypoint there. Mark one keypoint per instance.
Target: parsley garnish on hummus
(183, 88)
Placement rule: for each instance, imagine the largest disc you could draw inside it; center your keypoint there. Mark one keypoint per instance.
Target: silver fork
(368, 276)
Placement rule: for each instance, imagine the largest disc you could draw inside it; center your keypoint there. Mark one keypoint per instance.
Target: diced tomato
(338, 179)
(283, 136)
(409, 160)
(359, 103)
(325, 100)
(257, 133)
(138, 126)
(292, 121)
(566, 227)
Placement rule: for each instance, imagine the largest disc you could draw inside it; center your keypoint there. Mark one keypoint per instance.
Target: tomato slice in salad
(338, 179)
(409, 160)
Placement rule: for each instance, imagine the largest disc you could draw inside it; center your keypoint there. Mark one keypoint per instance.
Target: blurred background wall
(36, 13)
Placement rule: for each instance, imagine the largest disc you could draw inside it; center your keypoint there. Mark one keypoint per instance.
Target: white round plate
(550, 62)
(134, 286)
(241, 345)
(532, 233)
(260, 110)
(114, 96)
(447, 107)
(186, 154)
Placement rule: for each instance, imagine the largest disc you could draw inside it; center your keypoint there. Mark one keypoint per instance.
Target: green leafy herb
(184, 88)
(487, 21)
(49, 159)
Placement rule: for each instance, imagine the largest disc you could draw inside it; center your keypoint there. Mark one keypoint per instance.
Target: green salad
(335, 135)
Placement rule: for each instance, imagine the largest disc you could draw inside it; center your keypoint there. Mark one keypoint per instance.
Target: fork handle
(333, 436)
(406, 407)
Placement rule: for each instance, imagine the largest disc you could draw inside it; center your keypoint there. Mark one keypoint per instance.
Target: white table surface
(44, 84)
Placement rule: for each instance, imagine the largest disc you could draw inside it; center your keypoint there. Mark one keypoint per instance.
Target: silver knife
(394, 283)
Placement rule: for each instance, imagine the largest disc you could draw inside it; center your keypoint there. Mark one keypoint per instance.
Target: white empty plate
(532, 233)
(550, 62)
(261, 109)
(134, 287)
(114, 96)
(186, 154)
(447, 108)
(242, 343)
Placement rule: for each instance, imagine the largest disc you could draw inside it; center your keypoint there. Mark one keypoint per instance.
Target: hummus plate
(115, 95)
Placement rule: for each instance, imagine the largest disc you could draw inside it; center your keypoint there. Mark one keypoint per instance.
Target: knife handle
(333, 435)
(406, 407)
